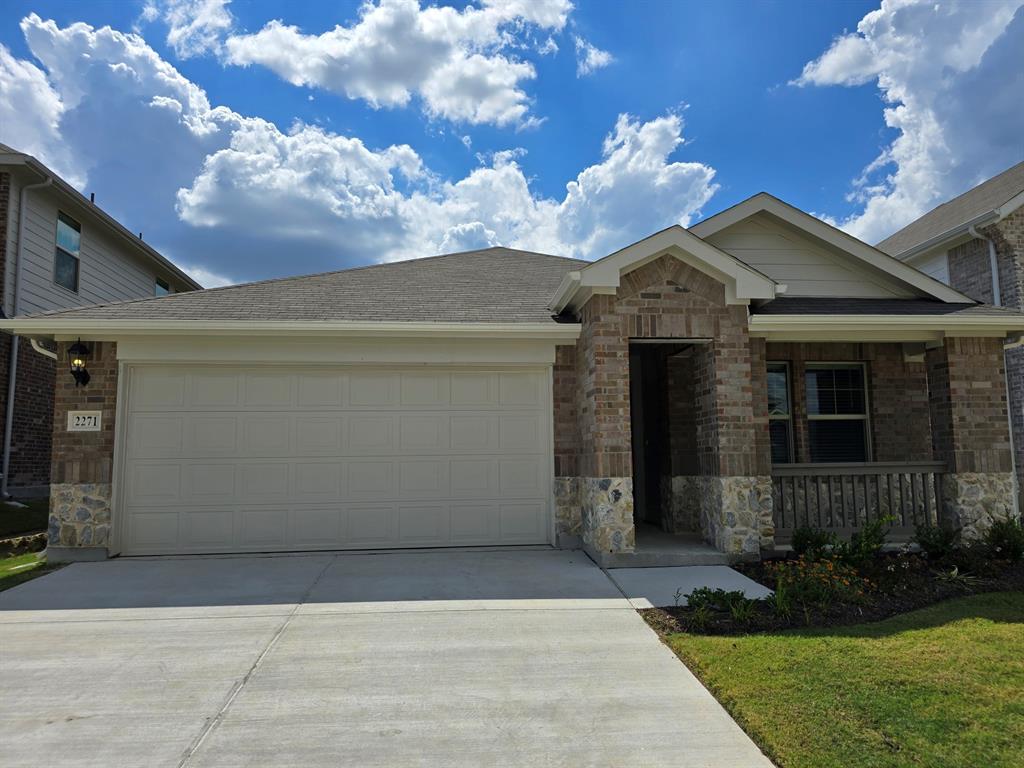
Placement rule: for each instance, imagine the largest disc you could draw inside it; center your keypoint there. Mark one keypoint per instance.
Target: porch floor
(657, 549)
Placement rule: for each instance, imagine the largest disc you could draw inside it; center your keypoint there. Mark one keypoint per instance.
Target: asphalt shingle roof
(495, 285)
(985, 197)
(838, 306)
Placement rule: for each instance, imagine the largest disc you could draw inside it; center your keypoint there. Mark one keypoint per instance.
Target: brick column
(970, 431)
(80, 484)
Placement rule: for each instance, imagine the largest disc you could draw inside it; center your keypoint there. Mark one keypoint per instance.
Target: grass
(29, 519)
(941, 687)
(21, 568)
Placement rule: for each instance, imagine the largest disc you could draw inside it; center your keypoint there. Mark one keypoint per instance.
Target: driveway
(506, 658)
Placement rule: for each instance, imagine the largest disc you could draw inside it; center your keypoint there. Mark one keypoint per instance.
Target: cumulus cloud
(236, 197)
(951, 76)
(589, 58)
(195, 27)
(454, 61)
(205, 277)
(30, 115)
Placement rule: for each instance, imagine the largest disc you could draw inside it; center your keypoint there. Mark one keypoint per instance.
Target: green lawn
(21, 568)
(29, 519)
(940, 687)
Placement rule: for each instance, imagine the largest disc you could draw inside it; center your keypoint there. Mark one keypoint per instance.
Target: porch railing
(843, 497)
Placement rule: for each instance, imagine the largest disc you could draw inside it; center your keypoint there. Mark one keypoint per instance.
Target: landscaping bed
(830, 583)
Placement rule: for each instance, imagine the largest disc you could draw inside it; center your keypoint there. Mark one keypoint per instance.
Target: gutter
(983, 219)
(993, 262)
(12, 371)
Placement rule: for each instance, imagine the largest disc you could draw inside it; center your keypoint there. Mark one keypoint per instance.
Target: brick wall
(33, 413)
(668, 299)
(85, 457)
(565, 427)
(897, 396)
(970, 265)
(968, 405)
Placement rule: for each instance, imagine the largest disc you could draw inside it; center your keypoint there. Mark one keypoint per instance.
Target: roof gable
(839, 255)
(742, 282)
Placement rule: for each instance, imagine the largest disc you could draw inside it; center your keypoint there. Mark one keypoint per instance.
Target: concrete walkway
(509, 658)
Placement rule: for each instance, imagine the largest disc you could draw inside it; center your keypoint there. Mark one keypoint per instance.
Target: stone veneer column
(80, 487)
(970, 431)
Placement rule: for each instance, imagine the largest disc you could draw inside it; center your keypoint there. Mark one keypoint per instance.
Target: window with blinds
(837, 412)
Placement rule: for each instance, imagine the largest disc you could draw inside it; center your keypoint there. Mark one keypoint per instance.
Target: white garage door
(267, 459)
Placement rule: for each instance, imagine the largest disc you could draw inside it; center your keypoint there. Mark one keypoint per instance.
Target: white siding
(934, 264)
(109, 269)
(806, 266)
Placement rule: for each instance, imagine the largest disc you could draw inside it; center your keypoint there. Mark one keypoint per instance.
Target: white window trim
(78, 259)
(865, 417)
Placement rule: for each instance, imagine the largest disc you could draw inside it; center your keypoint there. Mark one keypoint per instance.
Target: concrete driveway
(507, 658)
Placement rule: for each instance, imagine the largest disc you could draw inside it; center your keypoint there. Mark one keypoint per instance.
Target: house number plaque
(84, 421)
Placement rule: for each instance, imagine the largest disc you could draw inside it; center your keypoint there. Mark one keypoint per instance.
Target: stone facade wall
(897, 396)
(972, 501)
(83, 461)
(33, 414)
(607, 506)
(568, 514)
(736, 513)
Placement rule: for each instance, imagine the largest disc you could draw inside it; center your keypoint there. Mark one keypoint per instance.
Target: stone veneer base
(79, 515)
(606, 506)
(972, 501)
(736, 513)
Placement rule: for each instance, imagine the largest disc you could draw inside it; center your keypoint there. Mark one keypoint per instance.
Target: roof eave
(67, 328)
(882, 327)
(988, 217)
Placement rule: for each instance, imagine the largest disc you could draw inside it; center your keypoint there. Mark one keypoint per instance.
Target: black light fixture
(77, 353)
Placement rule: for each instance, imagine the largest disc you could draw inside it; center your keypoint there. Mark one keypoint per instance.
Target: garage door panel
(222, 459)
(210, 435)
(266, 435)
(157, 436)
(267, 390)
(423, 525)
(213, 389)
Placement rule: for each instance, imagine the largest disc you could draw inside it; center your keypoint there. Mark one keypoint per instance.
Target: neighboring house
(57, 250)
(731, 381)
(975, 243)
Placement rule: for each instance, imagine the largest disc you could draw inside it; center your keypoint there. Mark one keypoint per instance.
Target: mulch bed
(900, 589)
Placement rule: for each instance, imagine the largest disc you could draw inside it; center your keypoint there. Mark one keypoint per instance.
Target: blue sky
(246, 147)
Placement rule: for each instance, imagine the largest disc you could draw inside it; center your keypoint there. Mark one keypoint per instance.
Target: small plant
(700, 618)
(865, 544)
(780, 601)
(714, 599)
(937, 542)
(1005, 540)
(742, 610)
(956, 578)
(819, 582)
(678, 596)
(812, 543)
(702, 597)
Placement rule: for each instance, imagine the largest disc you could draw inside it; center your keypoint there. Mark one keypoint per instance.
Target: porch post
(732, 437)
(970, 431)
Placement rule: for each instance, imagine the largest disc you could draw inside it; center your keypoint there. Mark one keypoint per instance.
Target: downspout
(12, 371)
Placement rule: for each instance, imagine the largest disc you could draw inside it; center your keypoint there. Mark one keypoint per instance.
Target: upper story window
(837, 412)
(162, 287)
(68, 252)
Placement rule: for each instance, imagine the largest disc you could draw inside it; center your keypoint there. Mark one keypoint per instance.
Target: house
(57, 250)
(975, 243)
(721, 384)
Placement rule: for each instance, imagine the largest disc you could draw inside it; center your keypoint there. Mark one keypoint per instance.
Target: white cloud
(195, 27)
(205, 277)
(237, 197)
(30, 114)
(589, 58)
(952, 76)
(451, 59)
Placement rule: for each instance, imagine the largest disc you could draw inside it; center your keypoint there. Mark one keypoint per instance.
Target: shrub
(714, 599)
(865, 544)
(818, 582)
(1005, 540)
(700, 618)
(937, 542)
(742, 610)
(812, 543)
(780, 600)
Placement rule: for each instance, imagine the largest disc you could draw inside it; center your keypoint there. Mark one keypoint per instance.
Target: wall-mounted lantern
(77, 353)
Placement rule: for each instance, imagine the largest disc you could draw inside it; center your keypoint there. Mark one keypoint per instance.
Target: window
(69, 241)
(837, 413)
(780, 414)
(162, 287)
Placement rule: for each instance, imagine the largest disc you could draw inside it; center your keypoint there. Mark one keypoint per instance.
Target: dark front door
(649, 429)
